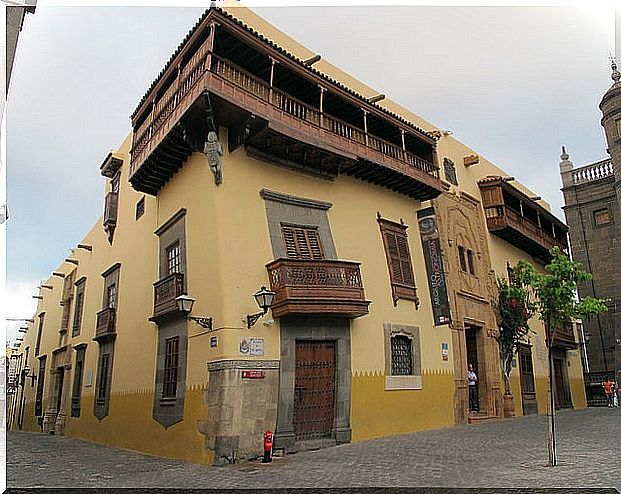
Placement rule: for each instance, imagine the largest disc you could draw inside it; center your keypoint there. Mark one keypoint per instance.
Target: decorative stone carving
(213, 151)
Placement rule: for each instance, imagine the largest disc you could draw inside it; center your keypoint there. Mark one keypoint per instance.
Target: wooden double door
(315, 383)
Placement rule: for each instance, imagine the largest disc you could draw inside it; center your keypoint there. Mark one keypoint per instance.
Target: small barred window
(401, 355)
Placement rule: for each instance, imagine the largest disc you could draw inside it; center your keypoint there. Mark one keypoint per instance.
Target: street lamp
(264, 298)
(185, 304)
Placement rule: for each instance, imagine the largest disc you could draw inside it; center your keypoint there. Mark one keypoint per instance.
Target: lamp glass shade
(264, 298)
(185, 303)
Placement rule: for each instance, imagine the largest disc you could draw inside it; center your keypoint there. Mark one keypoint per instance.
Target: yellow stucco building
(254, 163)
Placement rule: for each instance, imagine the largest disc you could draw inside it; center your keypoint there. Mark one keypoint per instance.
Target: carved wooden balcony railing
(536, 237)
(165, 291)
(160, 137)
(317, 287)
(106, 324)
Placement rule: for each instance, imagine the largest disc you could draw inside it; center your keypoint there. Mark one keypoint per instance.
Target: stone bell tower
(611, 121)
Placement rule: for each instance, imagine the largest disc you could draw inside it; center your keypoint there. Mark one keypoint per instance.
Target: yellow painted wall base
(578, 393)
(377, 413)
(130, 425)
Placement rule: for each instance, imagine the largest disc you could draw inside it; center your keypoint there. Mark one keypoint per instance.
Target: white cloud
(18, 304)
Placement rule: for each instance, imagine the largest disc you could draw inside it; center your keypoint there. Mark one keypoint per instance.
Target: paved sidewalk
(507, 453)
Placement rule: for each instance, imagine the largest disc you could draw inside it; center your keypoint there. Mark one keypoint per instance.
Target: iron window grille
(400, 355)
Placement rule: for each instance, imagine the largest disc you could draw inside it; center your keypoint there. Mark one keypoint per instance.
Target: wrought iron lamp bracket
(205, 322)
(251, 319)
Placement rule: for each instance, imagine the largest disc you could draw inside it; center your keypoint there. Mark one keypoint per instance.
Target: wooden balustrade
(165, 291)
(167, 103)
(106, 323)
(317, 287)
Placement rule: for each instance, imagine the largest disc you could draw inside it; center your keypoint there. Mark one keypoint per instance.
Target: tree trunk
(551, 429)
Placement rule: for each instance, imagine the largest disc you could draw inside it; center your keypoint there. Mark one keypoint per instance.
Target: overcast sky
(514, 83)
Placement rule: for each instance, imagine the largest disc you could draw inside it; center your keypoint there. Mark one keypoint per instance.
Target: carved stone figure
(213, 151)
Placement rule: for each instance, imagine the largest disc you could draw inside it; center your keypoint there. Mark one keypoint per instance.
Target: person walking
(473, 397)
(609, 387)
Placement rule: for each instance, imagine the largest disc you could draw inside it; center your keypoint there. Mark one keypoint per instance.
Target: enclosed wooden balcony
(106, 324)
(165, 291)
(279, 108)
(520, 220)
(111, 209)
(318, 287)
(564, 338)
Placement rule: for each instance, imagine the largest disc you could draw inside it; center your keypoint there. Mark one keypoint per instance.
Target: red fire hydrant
(267, 446)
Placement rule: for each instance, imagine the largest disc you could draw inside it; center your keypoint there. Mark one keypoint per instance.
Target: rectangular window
(173, 259)
(302, 242)
(111, 296)
(462, 258)
(102, 379)
(399, 261)
(171, 367)
(401, 355)
(79, 307)
(39, 332)
(76, 393)
(470, 261)
(602, 217)
(140, 208)
(40, 387)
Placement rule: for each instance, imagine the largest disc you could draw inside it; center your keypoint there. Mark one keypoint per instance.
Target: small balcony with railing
(165, 291)
(279, 108)
(106, 324)
(520, 220)
(318, 287)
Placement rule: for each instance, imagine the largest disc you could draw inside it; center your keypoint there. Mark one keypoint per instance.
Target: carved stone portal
(471, 285)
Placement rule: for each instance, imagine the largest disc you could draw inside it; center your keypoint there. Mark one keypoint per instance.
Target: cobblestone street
(508, 453)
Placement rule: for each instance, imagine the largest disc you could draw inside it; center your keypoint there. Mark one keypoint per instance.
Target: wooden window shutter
(302, 242)
(399, 260)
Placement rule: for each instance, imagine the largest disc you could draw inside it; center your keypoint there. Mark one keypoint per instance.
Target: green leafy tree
(556, 301)
(513, 310)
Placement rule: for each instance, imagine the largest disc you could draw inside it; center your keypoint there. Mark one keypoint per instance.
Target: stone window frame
(78, 377)
(401, 382)
(80, 294)
(38, 408)
(171, 232)
(169, 410)
(284, 209)
(106, 346)
(606, 211)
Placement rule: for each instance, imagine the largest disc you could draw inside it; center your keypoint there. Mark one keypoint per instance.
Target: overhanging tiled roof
(280, 49)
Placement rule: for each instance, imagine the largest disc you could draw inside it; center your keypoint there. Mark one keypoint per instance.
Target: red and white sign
(253, 374)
